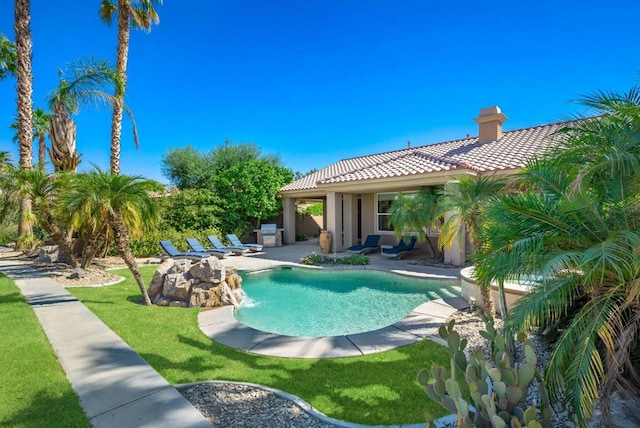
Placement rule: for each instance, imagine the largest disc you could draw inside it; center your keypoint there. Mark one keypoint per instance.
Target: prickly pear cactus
(497, 389)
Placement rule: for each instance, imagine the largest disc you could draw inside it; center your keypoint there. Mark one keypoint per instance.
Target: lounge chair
(174, 253)
(370, 244)
(217, 244)
(399, 250)
(198, 248)
(237, 243)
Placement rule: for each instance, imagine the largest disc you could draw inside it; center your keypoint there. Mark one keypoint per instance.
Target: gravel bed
(238, 405)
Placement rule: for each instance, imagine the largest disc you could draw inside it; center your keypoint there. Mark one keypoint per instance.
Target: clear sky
(316, 81)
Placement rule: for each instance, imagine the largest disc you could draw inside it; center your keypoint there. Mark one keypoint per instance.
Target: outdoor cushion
(197, 247)
(174, 253)
(399, 250)
(370, 244)
(238, 251)
(237, 243)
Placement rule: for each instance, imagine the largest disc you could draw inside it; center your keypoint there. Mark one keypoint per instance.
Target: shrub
(319, 259)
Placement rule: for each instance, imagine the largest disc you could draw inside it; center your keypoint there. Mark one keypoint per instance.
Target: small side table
(383, 247)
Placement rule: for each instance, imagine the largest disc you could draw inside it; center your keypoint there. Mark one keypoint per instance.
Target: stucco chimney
(490, 124)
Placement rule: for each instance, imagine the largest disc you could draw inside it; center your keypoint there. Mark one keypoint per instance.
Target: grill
(268, 232)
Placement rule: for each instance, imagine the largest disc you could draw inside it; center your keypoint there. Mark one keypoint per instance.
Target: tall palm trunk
(42, 148)
(25, 107)
(124, 32)
(121, 236)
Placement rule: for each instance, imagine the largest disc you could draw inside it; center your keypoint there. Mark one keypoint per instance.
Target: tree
(82, 83)
(41, 122)
(248, 192)
(8, 60)
(139, 14)
(44, 191)
(8, 201)
(416, 213)
(576, 227)
(112, 205)
(24, 76)
(462, 205)
(244, 181)
(187, 168)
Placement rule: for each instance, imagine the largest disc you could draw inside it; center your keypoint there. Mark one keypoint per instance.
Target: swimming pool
(318, 303)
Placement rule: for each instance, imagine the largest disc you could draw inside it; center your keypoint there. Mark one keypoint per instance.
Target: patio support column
(455, 254)
(289, 220)
(348, 221)
(333, 217)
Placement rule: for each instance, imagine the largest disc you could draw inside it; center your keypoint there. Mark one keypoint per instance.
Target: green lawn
(373, 389)
(34, 391)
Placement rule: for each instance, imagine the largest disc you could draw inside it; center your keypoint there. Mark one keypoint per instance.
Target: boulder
(48, 254)
(176, 286)
(180, 283)
(77, 273)
(209, 270)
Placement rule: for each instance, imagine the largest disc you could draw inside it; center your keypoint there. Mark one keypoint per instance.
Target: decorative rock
(48, 254)
(209, 270)
(179, 266)
(77, 273)
(176, 286)
(179, 283)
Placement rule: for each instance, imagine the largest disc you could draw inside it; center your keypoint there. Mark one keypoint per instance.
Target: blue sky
(316, 81)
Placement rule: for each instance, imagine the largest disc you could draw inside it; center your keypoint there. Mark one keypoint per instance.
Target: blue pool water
(301, 302)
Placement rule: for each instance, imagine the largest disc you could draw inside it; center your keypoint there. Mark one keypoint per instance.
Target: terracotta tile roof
(513, 150)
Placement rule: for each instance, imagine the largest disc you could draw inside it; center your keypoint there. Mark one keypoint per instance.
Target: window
(385, 201)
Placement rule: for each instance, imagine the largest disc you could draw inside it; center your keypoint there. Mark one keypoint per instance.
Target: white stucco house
(357, 192)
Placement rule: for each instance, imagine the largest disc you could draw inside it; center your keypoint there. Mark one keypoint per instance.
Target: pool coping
(421, 323)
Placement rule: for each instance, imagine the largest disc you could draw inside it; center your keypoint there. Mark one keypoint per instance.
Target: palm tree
(115, 206)
(416, 213)
(83, 82)
(45, 190)
(462, 205)
(139, 14)
(41, 122)
(7, 57)
(41, 125)
(25, 94)
(577, 228)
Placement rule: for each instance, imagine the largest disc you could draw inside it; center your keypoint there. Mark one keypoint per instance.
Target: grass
(34, 390)
(372, 389)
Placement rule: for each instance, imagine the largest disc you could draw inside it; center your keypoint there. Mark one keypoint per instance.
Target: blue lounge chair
(217, 244)
(399, 250)
(370, 244)
(174, 253)
(237, 243)
(198, 248)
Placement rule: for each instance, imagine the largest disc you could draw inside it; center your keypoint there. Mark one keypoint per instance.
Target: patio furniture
(399, 250)
(370, 244)
(217, 244)
(196, 246)
(237, 243)
(174, 253)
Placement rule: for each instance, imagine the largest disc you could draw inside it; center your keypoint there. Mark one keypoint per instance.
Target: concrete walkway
(115, 386)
